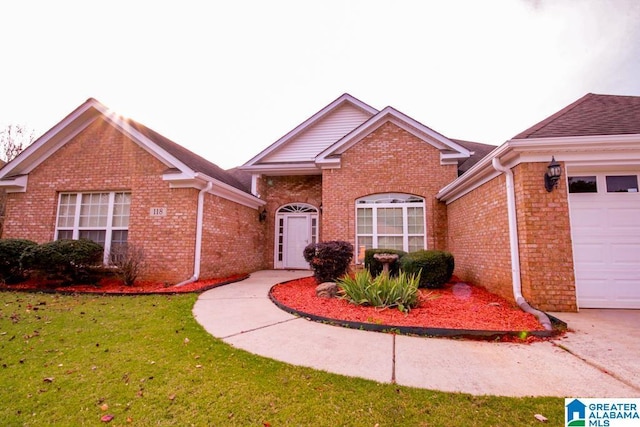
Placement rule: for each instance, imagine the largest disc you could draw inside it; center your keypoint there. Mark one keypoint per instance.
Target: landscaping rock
(327, 290)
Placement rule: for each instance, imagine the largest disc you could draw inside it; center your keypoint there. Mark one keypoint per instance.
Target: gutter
(198, 246)
(514, 243)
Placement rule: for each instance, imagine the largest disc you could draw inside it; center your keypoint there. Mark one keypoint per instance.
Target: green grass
(63, 358)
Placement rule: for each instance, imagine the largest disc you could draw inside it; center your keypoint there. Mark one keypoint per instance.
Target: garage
(605, 229)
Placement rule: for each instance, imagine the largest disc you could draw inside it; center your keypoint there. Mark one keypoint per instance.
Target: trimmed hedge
(375, 267)
(329, 260)
(72, 261)
(10, 252)
(435, 267)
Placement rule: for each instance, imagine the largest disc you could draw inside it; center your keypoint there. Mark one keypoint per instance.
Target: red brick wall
(233, 239)
(546, 249)
(389, 160)
(479, 239)
(101, 158)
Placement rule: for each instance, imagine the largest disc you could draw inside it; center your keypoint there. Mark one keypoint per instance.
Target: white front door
(297, 235)
(296, 227)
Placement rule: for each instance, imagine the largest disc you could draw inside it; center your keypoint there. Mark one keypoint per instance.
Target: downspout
(513, 243)
(198, 246)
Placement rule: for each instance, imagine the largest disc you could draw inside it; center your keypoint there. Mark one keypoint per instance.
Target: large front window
(101, 217)
(390, 221)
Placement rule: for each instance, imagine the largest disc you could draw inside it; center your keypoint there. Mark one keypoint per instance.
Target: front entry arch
(296, 227)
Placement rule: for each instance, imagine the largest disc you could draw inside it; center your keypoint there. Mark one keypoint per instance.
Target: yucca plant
(382, 291)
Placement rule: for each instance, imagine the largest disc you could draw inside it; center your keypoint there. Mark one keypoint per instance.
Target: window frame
(108, 228)
(402, 201)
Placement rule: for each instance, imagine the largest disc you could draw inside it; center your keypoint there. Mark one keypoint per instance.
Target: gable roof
(295, 152)
(184, 168)
(319, 141)
(590, 115)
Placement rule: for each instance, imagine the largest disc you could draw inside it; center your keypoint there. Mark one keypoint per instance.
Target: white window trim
(371, 203)
(109, 228)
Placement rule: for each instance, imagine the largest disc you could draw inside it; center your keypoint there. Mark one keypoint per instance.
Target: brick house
(376, 178)
(101, 176)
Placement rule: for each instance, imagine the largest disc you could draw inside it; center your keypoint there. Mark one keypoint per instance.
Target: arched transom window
(391, 221)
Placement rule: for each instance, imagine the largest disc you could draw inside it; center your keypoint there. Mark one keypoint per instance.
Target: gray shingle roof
(590, 115)
(189, 158)
(478, 150)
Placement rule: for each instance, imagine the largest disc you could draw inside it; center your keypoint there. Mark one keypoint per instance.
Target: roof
(184, 168)
(189, 158)
(478, 152)
(590, 115)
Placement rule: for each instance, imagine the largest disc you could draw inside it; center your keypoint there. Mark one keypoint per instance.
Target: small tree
(13, 139)
(129, 261)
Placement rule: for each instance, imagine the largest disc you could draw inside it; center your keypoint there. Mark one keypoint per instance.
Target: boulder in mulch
(327, 290)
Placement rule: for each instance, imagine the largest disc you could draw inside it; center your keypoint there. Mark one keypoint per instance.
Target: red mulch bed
(456, 306)
(115, 286)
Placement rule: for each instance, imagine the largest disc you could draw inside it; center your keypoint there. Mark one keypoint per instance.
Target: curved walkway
(585, 364)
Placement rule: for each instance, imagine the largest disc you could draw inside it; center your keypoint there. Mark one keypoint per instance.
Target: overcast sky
(228, 78)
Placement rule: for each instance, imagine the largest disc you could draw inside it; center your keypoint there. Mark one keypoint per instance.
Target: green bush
(10, 252)
(72, 261)
(375, 267)
(329, 260)
(435, 267)
(382, 291)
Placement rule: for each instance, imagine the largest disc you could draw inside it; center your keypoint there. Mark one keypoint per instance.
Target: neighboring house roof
(590, 115)
(184, 168)
(319, 141)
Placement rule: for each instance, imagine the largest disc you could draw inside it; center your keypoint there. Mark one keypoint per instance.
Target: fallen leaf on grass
(106, 418)
(540, 418)
(104, 407)
(48, 380)
(172, 397)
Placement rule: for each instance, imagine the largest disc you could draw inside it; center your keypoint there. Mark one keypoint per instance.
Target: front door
(296, 227)
(297, 237)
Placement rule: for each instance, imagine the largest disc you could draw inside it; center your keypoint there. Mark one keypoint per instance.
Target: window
(622, 184)
(583, 184)
(390, 221)
(101, 217)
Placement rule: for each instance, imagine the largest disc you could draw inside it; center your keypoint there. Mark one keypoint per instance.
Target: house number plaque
(158, 212)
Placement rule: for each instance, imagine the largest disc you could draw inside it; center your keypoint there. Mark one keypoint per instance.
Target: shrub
(435, 267)
(375, 267)
(329, 260)
(383, 291)
(129, 262)
(67, 260)
(10, 252)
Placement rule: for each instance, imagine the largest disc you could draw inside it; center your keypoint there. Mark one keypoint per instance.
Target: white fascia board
(309, 123)
(16, 184)
(231, 193)
(283, 169)
(573, 151)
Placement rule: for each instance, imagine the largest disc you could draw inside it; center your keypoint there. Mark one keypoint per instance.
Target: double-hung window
(101, 217)
(390, 221)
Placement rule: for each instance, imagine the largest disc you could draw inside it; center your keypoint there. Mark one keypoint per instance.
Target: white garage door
(605, 228)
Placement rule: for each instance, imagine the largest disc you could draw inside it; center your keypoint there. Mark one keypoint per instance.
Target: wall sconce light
(262, 215)
(553, 174)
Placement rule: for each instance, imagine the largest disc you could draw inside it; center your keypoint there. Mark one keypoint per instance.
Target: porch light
(553, 174)
(262, 215)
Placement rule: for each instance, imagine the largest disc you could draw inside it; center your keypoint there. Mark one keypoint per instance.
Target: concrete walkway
(599, 359)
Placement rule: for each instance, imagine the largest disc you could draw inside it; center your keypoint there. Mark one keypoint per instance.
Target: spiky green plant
(382, 291)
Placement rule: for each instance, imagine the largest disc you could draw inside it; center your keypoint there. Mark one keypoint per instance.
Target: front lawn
(72, 359)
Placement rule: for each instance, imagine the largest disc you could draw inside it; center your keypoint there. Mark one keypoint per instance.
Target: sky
(226, 79)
